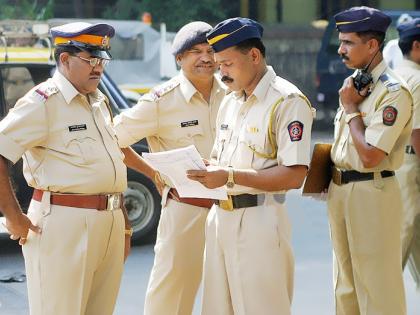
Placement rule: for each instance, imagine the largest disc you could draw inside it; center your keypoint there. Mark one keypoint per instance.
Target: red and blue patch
(295, 129)
(389, 115)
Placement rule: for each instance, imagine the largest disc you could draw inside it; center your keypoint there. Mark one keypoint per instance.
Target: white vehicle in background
(141, 55)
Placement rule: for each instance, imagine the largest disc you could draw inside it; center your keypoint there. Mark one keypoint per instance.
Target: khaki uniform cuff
(124, 138)
(375, 139)
(10, 149)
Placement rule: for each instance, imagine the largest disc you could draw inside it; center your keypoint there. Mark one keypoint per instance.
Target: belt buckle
(336, 175)
(113, 202)
(226, 204)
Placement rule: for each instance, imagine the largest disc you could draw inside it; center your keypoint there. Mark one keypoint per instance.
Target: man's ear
(255, 55)
(64, 58)
(178, 59)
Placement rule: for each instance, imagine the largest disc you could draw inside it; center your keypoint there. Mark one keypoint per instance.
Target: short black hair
(61, 49)
(250, 43)
(368, 35)
(406, 43)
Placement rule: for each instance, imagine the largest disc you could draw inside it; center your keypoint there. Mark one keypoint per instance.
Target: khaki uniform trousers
(74, 266)
(365, 224)
(408, 177)
(178, 265)
(248, 262)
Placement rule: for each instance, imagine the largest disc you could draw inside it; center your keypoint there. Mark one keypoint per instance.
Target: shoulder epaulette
(159, 91)
(43, 92)
(390, 83)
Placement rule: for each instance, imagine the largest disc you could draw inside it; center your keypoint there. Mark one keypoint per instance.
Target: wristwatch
(351, 116)
(128, 232)
(230, 182)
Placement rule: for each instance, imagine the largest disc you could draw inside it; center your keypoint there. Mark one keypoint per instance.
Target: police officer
(261, 151)
(73, 236)
(176, 114)
(409, 174)
(364, 202)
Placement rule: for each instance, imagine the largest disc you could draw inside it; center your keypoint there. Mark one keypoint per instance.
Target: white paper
(175, 163)
(2, 225)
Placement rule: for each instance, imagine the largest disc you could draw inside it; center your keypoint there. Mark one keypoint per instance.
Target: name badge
(77, 127)
(189, 123)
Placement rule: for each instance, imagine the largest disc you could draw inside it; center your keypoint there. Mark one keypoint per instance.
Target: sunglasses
(93, 62)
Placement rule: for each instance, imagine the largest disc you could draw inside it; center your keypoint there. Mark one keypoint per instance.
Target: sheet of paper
(175, 163)
(2, 225)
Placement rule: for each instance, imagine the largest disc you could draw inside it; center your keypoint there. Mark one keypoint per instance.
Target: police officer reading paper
(179, 113)
(261, 151)
(73, 235)
(364, 201)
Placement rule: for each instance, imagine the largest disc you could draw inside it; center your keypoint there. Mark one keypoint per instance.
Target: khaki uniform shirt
(242, 128)
(387, 117)
(410, 72)
(171, 116)
(66, 140)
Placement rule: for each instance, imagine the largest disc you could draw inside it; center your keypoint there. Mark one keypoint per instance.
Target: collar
(262, 87)
(188, 90)
(66, 88)
(410, 64)
(378, 70)
(69, 91)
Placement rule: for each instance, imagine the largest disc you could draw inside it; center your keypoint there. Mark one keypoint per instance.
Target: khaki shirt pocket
(81, 146)
(222, 141)
(187, 135)
(252, 148)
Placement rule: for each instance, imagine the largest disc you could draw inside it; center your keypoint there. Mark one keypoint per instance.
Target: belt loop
(261, 199)
(378, 181)
(46, 203)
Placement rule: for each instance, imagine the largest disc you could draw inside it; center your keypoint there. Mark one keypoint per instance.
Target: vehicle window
(128, 48)
(17, 81)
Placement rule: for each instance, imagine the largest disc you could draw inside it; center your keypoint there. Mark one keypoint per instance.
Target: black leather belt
(341, 177)
(409, 149)
(246, 201)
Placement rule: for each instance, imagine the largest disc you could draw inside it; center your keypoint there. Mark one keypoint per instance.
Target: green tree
(26, 9)
(174, 13)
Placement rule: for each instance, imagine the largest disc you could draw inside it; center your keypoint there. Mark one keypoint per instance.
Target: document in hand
(175, 163)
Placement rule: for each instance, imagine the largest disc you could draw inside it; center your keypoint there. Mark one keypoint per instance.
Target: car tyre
(142, 201)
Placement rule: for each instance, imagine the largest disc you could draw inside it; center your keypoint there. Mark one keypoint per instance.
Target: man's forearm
(369, 155)
(134, 161)
(8, 203)
(272, 179)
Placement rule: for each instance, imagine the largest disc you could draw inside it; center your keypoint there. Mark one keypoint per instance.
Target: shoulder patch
(159, 91)
(295, 129)
(43, 92)
(390, 83)
(389, 115)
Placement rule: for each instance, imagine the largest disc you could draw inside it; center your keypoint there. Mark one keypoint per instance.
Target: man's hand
(19, 227)
(211, 178)
(350, 98)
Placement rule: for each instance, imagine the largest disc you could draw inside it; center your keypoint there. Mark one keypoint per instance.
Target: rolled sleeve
(383, 136)
(10, 149)
(23, 128)
(293, 117)
(136, 123)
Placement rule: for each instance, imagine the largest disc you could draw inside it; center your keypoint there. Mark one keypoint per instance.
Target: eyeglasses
(93, 62)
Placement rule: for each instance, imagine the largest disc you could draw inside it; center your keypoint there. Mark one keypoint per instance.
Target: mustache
(226, 79)
(343, 56)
